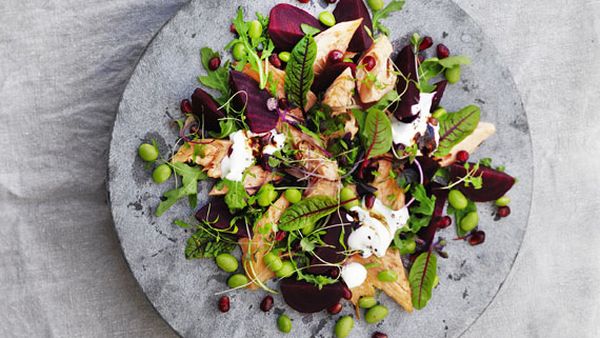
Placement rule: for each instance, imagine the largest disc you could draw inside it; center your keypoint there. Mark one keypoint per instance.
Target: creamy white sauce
(278, 140)
(354, 274)
(240, 159)
(404, 133)
(377, 230)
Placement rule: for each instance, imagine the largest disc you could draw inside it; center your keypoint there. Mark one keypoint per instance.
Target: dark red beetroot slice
(349, 10)
(329, 74)
(429, 167)
(440, 87)
(405, 61)
(495, 183)
(284, 25)
(427, 234)
(336, 223)
(204, 105)
(259, 118)
(217, 214)
(305, 297)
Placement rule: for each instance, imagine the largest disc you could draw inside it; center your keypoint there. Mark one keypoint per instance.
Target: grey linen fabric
(63, 67)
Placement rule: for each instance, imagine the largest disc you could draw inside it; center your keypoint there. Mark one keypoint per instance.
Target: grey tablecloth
(63, 67)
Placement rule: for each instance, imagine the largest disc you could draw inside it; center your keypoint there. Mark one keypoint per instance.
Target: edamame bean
(273, 262)
(347, 194)
(148, 152)
(457, 200)
(161, 173)
(255, 30)
(293, 195)
(469, 222)
(376, 5)
(266, 195)
(376, 314)
(439, 113)
(408, 246)
(284, 323)
(343, 326)
(503, 201)
(226, 262)
(327, 18)
(367, 302)
(387, 276)
(287, 269)
(285, 56)
(237, 280)
(239, 51)
(453, 74)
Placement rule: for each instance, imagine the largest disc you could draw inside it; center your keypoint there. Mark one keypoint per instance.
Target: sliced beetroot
(440, 87)
(429, 166)
(495, 183)
(427, 234)
(204, 105)
(349, 10)
(305, 297)
(284, 25)
(259, 117)
(322, 255)
(216, 213)
(405, 61)
(329, 74)
(333, 235)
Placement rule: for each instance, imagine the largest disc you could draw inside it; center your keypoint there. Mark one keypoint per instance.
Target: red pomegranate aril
(335, 309)
(334, 273)
(335, 56)
(275, 61)
(369, 201)
(283, 103)
(444, 222)
(476, 238)
(346, 293)
(214, 63)
(304, 1)
(369, 62)
(503, 212)
(186, 106)
(442, 51)
(426, 43)
(462, 156)
(266, 304)
(331, 1)
(224, 304)
(379, 335)
(420, 58)
(279, 236)
(232, 29)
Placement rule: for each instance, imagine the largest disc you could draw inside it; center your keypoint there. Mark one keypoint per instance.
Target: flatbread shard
(207, 153)
(340, 94)
(337, 37)
(388, 190)
(399, 290)
(375, 83)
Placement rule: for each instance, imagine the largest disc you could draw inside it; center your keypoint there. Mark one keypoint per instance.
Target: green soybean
(227, 262)
(293, 195)
(387, 276)
(239, 51)
(255, 30)
(376, 314)
(408, 246)
(327, 18)
(457, 200)
(285, 56)
(287, 269)
(503, 201)
(273, 262)
(469, 222)
(284, 323)
(148, 152)
(344, 326)
(347, 194)
(376, 5)
(161, 173)
(367, 302)
(237, 280)
(266, 195)
(439, 113)
(453, 74)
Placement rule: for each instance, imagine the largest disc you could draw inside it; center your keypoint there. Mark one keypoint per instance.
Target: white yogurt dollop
(404, 133)
(240, 159)
(354, 274)
(278, 140)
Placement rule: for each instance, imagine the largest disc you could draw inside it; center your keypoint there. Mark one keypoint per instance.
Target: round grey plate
(183, 291)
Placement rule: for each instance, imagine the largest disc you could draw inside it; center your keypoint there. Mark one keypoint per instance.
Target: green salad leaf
(307, 212)
(421, 212)
(236, 197)
(377, 133)
(299, 74)
(309, 30)
(203, 244)
(393, 6)
(455, 127)
(422, 278)
(217, 79)
(190, 178)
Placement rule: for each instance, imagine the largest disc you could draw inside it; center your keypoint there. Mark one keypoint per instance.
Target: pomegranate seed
(224, 304)
(476, 238)
(331, 1)
(444, 222)
(346, 293)
(186, 106)
(275, 61)
(334, 273)
(232, 29)
(369, 62)
(462, 156)
(369, 201)
(266, 304)
(421, 58)
(304, 1)
(379, 335)
(335, 309)
(279, 236)
(426, 43)
(283, 103)
(442, 51)
(503, 212)
(335, 56)
(214, 63)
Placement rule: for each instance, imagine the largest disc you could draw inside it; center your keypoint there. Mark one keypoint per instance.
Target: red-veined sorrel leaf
(307, 212)
(422, 277)
(377, 133)
(455, 127)
(299, 74)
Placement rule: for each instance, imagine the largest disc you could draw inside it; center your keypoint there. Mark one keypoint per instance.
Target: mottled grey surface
(63, 67)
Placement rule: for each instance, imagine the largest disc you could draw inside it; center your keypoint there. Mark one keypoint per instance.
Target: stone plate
(183, 291)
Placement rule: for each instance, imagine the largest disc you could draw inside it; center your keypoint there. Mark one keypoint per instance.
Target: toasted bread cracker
(374, 84)
(388, 191)
(207, 153)
(337, 37)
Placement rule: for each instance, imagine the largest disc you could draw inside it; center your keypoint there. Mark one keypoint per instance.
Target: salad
(334, 162)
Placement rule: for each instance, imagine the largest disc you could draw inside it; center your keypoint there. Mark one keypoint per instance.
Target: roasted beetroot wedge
(259, 117)
(204, 105)
(428, 234)
(307, 298)
(495, 183)
(217, 214)
(284, 25)
(440, 88)
(329, 74)
(406, 63)
(349, 10)
(337, 222)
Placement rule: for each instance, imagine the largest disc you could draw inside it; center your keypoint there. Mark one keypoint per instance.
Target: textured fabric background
(63, 67)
